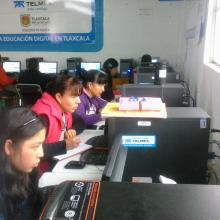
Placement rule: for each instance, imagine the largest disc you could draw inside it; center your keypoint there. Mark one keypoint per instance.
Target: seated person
(20, 153)
(90, 101)
(33, 76)
(110, 67)
(56, 106)
(146, 60)
(4, 79)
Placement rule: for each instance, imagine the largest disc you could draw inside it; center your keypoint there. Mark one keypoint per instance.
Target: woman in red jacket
(4, 79)
(56, 106)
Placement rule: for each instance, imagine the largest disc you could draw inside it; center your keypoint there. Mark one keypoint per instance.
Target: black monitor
(155, 60)
(144, 78)
(175, 147)
(146, 69)
(90, 66)
(74, 66)
(48, 67)
(126, 68)
(12, 66)
(141, 90)
(171, 94)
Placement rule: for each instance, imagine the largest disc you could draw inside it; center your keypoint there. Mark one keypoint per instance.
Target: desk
(129, 201)
(59, 174)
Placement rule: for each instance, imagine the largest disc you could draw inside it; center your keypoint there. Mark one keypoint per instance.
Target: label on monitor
(144, 123)
(162, 73)
(203, 123)
(143, 141)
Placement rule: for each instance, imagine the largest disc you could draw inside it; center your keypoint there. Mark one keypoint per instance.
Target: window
(212, 47)
(216, 42)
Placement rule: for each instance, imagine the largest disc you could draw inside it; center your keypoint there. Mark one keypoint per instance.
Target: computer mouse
(75, 165)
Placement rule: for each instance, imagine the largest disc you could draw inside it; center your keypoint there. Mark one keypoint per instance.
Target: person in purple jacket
(90, 102)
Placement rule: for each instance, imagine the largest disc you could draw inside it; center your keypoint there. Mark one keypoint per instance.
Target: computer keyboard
(97, 141)
(94, 157)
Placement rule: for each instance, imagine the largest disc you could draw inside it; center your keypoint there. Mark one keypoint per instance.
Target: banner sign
(51, 25)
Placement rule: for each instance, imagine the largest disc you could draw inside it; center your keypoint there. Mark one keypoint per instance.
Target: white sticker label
(203, 123)
(144, 123)
(139, 141)
(162, 73)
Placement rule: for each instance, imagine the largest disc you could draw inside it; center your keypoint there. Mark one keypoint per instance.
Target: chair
(28, 93)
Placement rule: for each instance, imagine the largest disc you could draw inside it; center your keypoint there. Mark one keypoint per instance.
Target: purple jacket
(89, 108)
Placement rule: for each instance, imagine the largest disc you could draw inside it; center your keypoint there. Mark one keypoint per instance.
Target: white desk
(59, 174)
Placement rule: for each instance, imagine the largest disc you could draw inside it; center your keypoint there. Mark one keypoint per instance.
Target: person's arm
(54, 149)
(4, 79)
(88, 119)
(101, 103)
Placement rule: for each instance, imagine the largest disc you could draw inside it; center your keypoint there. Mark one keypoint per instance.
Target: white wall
(131, 28)
(204, 81)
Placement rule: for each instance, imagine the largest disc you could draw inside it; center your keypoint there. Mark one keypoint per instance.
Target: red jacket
(4, 79)
(48, 106)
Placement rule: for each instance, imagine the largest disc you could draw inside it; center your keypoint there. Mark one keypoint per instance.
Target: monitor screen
(48, 67)
(12, 66)
(124, 68)
(155, 60)
(91, 66)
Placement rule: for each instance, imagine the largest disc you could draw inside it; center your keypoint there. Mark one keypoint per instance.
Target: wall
(204, 81)
(131, 28)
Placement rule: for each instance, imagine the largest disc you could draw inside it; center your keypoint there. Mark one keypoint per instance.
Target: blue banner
(51, 25)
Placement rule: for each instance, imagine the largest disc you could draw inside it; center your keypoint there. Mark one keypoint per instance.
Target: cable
(186, 86)
(215, 130)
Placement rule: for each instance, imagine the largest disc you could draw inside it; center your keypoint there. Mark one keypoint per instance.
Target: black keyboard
(94, 157)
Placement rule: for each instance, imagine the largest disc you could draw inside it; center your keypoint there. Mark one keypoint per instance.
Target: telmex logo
(140, 141)
(21, 4)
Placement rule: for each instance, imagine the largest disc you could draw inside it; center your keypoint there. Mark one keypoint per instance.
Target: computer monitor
(155, 60)
(146, 69)
(171, 94)
(74, 66)
(91, 66)
(12, 66)
(48, 67)
(144, 78)
(126, 66)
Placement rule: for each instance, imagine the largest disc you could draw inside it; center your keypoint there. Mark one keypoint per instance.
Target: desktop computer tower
(74, 66)
(172, 77)
(151, 78)
(171, 94)
(180, 151)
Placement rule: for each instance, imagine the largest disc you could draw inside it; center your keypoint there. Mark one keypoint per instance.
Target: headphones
(109, 65)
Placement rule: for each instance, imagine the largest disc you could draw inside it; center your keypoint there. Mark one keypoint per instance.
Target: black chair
(28, 93)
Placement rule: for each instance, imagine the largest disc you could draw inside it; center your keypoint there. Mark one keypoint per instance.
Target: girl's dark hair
(94, 76)
(63, 83)
(17, 124)
(109, 64)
